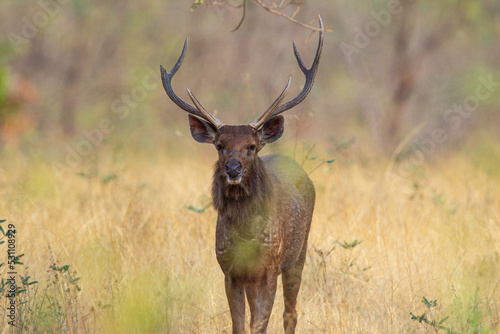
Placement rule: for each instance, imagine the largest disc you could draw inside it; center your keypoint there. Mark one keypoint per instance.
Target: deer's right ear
(202, 132)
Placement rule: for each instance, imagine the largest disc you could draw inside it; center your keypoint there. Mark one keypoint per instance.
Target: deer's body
(265, 232)
(264, 204)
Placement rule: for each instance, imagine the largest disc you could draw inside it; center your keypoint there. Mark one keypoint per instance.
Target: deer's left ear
(272, 130)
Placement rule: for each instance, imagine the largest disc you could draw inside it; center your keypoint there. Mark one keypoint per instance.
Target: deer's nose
(233, 168)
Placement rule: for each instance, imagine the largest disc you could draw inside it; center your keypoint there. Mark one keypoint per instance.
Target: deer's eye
(219, 147)
(252, 147)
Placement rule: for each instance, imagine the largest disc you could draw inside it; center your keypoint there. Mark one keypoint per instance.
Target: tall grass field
(125, 243)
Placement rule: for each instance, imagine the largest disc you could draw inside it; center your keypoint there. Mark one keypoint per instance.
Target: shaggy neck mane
(238, 201)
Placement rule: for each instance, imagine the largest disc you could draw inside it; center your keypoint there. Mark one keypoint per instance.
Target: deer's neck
(252, 196)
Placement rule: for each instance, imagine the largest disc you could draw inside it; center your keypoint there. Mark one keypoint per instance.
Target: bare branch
(273, 10)
(242, 17)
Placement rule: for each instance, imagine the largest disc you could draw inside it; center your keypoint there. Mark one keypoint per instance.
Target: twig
(318, 166)
(277, 12)
(307, 155)
(242, 17)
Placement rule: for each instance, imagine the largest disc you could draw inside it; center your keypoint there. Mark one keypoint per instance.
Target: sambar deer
(264, 204)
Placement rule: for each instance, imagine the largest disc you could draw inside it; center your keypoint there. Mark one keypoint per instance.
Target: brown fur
(265, 205)
(262, 227)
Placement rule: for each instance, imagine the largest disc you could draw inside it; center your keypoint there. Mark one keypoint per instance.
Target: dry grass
(147, 264)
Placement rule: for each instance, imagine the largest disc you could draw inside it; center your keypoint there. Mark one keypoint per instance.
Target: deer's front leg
(266, 291)
(235, 293)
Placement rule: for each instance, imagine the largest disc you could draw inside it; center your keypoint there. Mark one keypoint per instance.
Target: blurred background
(102, 180)
(396, 77)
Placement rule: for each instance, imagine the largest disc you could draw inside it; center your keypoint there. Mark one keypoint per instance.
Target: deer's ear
(202, 132)
(272, 130)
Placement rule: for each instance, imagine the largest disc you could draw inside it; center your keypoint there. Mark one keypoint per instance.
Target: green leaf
(3, 220)
(422, 318)
(109, 177)
(443, 320)
(330, 161)
(196, 4)
(1, 229)
(348, 245)
(429, 303)
(197, 209)
(60, 269)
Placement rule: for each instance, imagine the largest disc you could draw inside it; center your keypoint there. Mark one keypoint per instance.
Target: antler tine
(198, 111)
(206, 115)
(310, 74)
(267, 114)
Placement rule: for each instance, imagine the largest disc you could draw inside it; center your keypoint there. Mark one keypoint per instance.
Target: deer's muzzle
(234, 171)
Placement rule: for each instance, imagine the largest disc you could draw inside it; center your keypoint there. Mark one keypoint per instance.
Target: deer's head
(238, 145)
